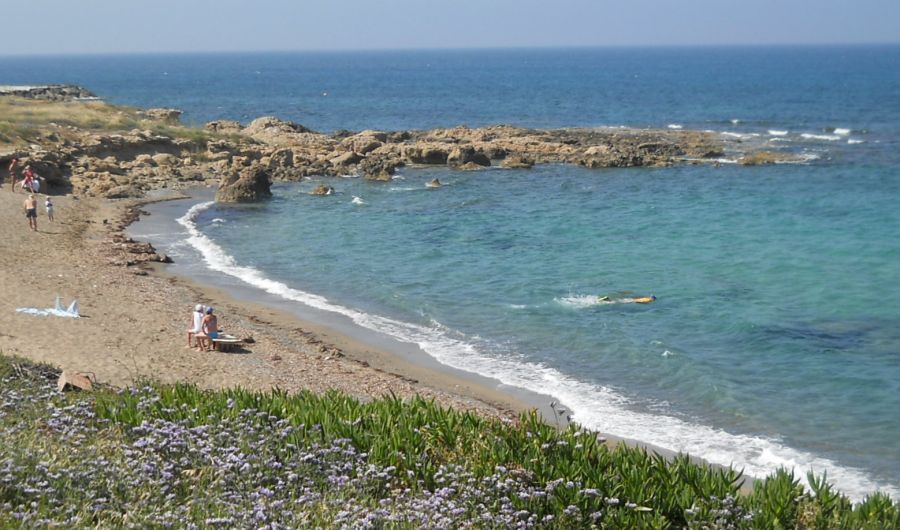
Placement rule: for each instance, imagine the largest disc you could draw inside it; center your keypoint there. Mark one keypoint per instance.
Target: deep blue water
(775, 339)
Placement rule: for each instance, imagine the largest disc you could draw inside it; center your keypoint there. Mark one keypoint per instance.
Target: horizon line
(458, 49)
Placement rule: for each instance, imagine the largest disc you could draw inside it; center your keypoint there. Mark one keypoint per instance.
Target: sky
(139, 26)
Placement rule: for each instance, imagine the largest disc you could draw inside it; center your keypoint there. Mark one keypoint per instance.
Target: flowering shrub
(178, 457)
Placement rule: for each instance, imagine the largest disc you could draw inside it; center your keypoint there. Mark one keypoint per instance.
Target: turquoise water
(775, 339)
(774, 317)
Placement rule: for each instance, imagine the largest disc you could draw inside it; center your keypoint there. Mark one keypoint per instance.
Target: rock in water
(247, 184)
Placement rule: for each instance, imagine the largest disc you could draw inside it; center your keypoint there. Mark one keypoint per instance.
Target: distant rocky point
(48, 92)
(104, 160)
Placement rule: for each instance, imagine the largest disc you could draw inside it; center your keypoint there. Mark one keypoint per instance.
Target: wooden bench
(226, 343)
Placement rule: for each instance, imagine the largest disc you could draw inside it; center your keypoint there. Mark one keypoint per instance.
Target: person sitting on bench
(209, 331)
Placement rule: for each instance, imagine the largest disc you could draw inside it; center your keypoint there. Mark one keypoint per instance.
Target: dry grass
(26, 121)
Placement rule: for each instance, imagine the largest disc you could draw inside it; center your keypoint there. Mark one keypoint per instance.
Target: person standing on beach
(48, 204)
(12, 174)
(28, 180)
(30, 205)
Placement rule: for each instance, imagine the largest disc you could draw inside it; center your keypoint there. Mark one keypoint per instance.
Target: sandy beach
(134, 320)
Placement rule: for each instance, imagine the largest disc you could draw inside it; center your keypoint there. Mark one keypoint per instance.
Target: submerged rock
(322, 189)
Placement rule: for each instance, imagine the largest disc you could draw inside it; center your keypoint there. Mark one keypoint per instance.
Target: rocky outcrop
(273, 131)
(428, 153)
(246, 159)
(48, 92)
(170, 116)
(224, 126)
(467, 156)
(517, 162)
(764, 157)
(364, 142)
(250, 183)
(380, 167)
(126, 252)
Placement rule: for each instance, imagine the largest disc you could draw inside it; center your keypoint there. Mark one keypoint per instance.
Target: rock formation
(249, 183)
(48, 92)
(119, 164)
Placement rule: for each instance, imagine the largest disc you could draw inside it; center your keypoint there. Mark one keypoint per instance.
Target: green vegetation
(177, 456)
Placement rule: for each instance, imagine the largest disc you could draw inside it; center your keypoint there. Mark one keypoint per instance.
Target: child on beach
(49, 205)
(196, 325)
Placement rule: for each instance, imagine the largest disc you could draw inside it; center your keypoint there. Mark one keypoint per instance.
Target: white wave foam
(779, 139)
(674, 126)
(594, 407)
(583, 300)
(853, 141)
(841, 131)
(776, 132)
(218, 220)
(738, 135)
(735, 121)
(357, 200)
(826, 137)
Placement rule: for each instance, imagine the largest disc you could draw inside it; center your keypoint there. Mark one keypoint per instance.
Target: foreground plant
(179, 457)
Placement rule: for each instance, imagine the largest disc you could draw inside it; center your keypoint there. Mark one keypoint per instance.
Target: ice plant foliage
(178, 457)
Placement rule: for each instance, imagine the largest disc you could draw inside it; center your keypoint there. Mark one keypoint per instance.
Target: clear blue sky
(122, 26)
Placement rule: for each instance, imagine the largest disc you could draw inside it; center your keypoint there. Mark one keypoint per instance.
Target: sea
(774, 340)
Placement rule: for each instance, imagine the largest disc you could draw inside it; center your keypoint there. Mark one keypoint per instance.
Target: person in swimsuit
(30, 205)
(639, 300)
(209, 331)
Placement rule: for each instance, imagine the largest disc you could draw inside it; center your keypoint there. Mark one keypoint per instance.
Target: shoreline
(409, 363)
(122, 337)
(330, 331)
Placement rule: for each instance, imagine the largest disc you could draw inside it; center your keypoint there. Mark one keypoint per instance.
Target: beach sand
(134, 320)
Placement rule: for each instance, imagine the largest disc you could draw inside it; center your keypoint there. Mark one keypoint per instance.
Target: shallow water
(775, 339)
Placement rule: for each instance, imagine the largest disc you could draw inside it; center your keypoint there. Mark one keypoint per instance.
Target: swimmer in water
(638, 300)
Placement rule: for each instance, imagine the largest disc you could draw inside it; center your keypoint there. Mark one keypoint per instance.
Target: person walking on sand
(209, 331)
(12, 174)
(48, 204)
(30, 205)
